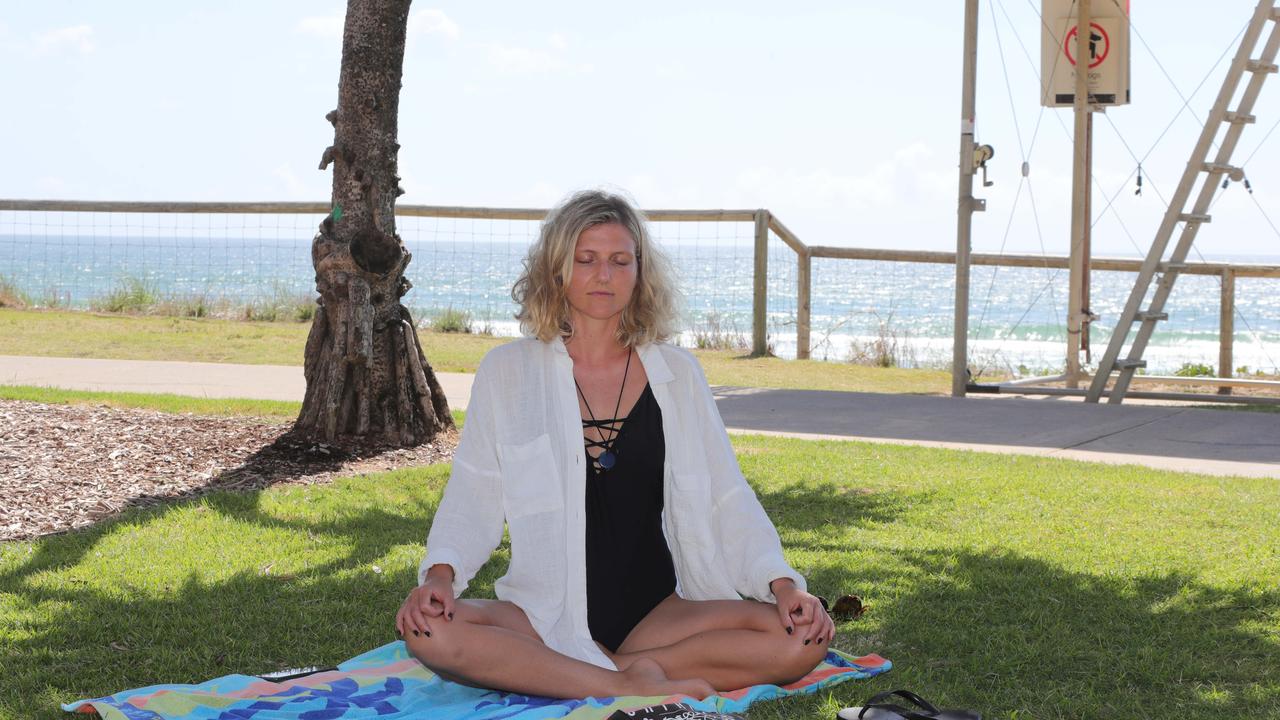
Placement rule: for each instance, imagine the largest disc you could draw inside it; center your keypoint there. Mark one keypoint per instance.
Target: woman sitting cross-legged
(634, 536)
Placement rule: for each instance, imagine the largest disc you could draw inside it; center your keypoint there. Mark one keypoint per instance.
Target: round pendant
(607, 460)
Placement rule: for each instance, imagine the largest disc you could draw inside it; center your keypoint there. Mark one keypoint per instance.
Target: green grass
(1026, 587)
(60, 333)
(79, 334)
(452, 321)
(130, 295)
(275, 410)
(12, 295)
(271, 410)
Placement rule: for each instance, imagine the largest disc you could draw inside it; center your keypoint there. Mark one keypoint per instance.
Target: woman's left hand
(799, 609)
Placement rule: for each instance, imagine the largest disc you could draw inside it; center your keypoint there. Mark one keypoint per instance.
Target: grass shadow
(78, 641)
(286, 459)
(1017, 637)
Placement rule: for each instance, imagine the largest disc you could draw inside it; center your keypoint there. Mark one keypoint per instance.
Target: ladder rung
(1221, 168)
(1194, 217)
(1127, 364)
(1148, 316)
(1240, 118)
(1260, 67)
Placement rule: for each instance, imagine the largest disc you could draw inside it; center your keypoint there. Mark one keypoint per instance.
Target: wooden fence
(764, 222)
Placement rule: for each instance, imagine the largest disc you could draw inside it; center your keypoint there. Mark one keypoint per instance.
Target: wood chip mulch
(68, 466)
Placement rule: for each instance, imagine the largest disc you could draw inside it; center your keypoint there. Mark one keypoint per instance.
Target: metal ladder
(1197, 168)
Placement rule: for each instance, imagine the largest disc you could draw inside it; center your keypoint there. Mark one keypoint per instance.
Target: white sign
(1107, 53)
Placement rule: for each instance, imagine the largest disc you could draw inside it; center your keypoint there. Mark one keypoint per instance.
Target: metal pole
(1079, 193)
(965, 205)
(1086, 248)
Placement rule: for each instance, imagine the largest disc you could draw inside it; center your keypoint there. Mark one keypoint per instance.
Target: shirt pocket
(529, 482)
(690, 506)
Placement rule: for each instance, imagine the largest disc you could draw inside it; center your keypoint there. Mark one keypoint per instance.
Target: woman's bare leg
(490, 644)
(729, 643)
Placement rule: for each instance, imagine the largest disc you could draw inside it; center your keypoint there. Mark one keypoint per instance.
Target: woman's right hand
(432, 599)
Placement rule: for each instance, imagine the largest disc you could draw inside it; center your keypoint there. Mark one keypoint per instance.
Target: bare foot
(645, 677)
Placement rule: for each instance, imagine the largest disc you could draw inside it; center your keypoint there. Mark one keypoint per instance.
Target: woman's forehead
(606, 238)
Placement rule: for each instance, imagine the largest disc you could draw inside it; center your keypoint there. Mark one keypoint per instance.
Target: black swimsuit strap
(602, 425)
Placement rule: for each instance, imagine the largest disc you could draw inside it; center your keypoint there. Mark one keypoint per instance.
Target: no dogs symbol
(1099, 44)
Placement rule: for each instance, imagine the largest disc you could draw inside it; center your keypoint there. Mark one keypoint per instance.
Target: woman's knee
(797, 659)
(439, 646)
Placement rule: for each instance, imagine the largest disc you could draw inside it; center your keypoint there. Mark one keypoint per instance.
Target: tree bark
(367, 377)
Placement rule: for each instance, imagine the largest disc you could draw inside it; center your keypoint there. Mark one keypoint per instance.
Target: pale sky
(840, 117)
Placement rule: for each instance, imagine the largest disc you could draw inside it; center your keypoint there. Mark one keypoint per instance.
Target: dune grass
(12, 295)
(128, 337)
(1025, 587)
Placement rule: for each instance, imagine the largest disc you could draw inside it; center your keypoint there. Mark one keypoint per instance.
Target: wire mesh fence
(257, 265)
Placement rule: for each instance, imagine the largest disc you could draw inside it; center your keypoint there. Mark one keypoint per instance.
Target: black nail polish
(415, 632)
(819, 639)
(789, 630)
(450, 616)
(806, 642)
(427, 633)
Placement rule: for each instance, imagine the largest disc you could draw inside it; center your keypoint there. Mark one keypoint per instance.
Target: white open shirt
(521, 461)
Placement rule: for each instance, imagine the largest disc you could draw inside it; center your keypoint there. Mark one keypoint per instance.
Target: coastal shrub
(1195, 369)
(130, 295)
(714, 334)
(11, 295)
(888, 348)
(198, 305)
(452, 321)
(284, 305)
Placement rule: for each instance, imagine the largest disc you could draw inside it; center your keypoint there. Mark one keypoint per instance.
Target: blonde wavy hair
(651, 315)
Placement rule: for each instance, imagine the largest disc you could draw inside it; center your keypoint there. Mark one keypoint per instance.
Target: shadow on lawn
(1013, 636)
(89, 643)
(999, 632)
(287, 459)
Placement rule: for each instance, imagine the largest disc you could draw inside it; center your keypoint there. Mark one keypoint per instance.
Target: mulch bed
(68, 466)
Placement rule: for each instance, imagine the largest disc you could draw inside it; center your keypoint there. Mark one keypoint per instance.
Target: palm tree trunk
(367, 377)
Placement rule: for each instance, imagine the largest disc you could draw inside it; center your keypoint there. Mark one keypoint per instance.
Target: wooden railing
(764, 222)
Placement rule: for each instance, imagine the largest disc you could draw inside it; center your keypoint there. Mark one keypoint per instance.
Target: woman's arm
(468, 523)
(746, 537)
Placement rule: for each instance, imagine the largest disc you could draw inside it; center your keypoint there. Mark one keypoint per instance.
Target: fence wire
(258, 266)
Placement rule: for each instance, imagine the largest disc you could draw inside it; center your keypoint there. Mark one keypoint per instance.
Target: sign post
(1084, 64)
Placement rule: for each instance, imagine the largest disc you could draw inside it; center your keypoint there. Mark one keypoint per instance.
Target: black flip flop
(878, 707)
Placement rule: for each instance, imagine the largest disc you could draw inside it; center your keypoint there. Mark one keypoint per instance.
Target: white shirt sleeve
(468, 523)
(746, 537)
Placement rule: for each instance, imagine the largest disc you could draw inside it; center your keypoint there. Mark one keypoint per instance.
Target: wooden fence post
(1226, 327)
(760, 281)
(804, 264)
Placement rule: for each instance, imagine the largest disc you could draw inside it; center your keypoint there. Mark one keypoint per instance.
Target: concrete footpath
(1217, 442)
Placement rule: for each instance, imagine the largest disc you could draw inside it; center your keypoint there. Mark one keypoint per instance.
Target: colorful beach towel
(389, 683)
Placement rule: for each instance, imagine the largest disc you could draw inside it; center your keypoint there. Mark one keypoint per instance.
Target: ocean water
(1016, 314)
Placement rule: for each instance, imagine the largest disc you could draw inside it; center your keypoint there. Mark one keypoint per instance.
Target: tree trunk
(367, 377)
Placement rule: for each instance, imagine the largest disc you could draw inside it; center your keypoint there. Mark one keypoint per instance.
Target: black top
(629, 569)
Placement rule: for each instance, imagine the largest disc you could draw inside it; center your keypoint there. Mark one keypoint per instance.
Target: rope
(1110, 205)
(1004, 67)
(1025, 153)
